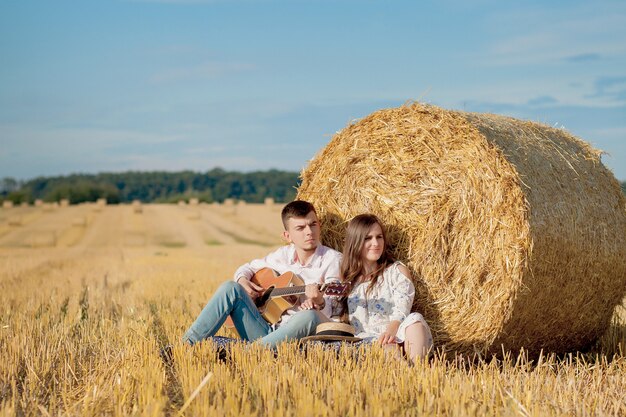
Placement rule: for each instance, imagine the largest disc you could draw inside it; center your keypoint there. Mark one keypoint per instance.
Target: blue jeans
(231, 299)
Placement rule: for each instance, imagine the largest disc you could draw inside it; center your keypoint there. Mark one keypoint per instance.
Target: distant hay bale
(182, 203)
(515, 231)
(101, 202)
(137, 207)
(229, 202)
(194, 201)
(65, 202)
(242, 202)
(38, 203)
(7, 204)
(269, 201)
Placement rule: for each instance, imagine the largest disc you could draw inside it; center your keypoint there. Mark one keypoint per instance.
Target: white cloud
(28, 152)
(543, 50)
(548, 36)
(612, 134)
(194, 163)
(64, 139)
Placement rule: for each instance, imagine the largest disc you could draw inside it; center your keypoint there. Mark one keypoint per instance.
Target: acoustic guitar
(280, 292)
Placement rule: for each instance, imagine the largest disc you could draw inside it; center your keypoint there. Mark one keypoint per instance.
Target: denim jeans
(232, 300)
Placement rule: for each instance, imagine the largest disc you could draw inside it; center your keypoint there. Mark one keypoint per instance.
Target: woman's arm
(402, 293)
(389, 336)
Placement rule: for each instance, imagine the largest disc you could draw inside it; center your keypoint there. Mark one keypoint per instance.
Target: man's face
(303, 232)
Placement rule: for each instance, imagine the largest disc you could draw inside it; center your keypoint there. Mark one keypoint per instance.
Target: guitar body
(281, 292)
(272, 308)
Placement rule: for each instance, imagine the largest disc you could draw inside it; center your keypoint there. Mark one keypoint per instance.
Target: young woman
(379, 304)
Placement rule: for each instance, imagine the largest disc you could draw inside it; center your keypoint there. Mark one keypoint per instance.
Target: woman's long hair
(352, 263)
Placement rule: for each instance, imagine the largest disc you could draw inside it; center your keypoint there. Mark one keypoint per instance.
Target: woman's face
(374, 244)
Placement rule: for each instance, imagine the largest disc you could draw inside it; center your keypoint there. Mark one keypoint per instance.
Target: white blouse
(390, 299)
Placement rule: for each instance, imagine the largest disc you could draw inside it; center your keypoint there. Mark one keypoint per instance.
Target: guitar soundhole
(260, 301)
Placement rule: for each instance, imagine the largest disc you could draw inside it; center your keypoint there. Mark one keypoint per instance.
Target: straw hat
(333, 332)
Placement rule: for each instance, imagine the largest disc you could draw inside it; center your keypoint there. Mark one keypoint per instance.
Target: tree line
(158, 187)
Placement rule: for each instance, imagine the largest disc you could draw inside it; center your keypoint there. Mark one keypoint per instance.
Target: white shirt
(322, 267)
(390, 299)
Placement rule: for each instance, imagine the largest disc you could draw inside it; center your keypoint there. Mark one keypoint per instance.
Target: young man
(304, 256)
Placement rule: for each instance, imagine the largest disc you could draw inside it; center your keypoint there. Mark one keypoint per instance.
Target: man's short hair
(297, 209)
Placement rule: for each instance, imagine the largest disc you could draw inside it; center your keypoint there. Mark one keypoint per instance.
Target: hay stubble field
(89, 293)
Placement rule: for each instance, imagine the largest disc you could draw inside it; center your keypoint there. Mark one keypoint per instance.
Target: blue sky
(92, 86)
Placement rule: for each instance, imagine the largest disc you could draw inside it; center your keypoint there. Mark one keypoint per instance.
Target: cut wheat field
(89, 293)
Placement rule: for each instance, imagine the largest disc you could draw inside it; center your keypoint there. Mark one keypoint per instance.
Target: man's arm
(250, 287)
(245, 272)
(314, 298)
(333, 274)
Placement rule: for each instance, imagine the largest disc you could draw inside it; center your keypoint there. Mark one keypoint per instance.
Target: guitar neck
(285, 291)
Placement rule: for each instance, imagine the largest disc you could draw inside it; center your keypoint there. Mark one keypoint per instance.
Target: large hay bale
(515, 231)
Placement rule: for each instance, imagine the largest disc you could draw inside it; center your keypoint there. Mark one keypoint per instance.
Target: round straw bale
(137, 206)
(514, 231)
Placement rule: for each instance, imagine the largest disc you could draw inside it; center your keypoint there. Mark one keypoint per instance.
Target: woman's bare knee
(416, 341)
